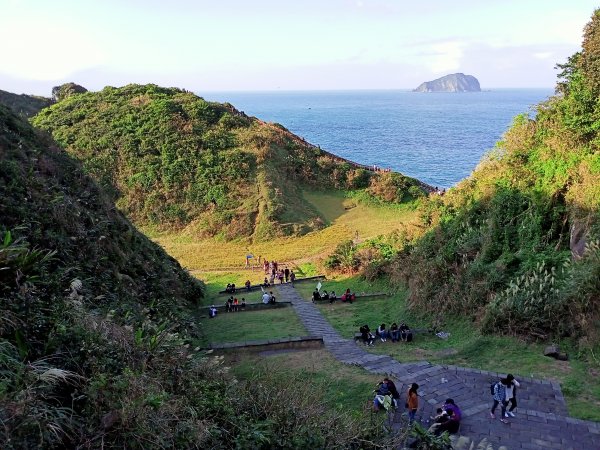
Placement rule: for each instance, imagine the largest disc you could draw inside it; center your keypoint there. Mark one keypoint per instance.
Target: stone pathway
(542, 420)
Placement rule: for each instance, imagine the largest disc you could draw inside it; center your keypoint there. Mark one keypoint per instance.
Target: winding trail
(542, 420)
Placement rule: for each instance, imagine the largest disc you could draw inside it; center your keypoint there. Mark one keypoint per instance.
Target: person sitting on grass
(236, 304)
(332, 297)
(347, 296)
(212, 312)
(316, 296)
(243, 304)
(393, 391)
(394, 332)
(383, 397)
(272, 299)
(266, 282)
(381, 332)
(405, 333)
(266, 298)
(248, 285)
(324, 296)
(366, 335)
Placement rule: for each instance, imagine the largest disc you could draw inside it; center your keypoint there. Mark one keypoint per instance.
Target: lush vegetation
(171, 159)
(516, 245)
(99, 332)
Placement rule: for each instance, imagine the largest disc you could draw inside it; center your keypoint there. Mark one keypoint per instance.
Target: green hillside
(24, 105)
(171, 159)
(98, 332)
(516, 246)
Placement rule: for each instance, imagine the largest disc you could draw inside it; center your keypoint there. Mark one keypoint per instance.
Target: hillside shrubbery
(171, 159)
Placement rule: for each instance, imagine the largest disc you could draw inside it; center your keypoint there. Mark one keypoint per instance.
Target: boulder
(552, 351)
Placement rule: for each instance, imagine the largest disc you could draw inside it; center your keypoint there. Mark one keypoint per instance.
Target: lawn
(218, 263)
(252, 325)
(347, 387)
(347, 218)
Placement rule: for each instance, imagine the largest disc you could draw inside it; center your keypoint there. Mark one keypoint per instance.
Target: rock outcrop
(456, 82)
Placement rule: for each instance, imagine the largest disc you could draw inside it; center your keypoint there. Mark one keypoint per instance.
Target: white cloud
(445, 56)
(543, 55)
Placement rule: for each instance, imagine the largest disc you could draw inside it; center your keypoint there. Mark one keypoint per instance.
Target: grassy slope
(369, 220)
(173, 160)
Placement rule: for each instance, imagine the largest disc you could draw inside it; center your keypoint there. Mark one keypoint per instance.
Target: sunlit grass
(362, 220)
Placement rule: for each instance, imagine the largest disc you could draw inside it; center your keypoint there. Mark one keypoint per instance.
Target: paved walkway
(542, 420)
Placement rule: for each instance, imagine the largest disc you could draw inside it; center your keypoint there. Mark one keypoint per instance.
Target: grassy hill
(173, 160)
(24, 105)
(516, 246)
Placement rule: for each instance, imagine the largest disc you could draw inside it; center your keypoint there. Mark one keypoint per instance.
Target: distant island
(456, 82)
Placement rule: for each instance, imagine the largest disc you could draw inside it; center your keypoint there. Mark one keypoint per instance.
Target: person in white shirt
(266, 298)
(511, 395)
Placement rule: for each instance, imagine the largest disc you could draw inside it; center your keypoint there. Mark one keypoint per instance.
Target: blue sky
(288, 45)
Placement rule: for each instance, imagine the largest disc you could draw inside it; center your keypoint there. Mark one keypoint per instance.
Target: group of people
(504, 392)
(283, 275)
(449, 415)
(332, 297)
(230, 288)
(233, 304)
(386, 395)
(395, 333)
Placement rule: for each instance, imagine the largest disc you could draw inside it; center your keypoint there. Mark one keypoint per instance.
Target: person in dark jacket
(393, 390)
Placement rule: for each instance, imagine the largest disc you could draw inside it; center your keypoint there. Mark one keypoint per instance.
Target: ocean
(436, 137)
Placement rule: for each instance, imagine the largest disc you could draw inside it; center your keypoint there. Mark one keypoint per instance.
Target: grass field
(347, 218)
(344, 386)
(252, 325)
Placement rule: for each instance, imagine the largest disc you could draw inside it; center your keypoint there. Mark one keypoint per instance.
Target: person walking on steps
(511, 395)
(412, 402)
(499, 395)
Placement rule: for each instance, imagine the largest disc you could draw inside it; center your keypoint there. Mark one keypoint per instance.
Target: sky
(250, 45)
